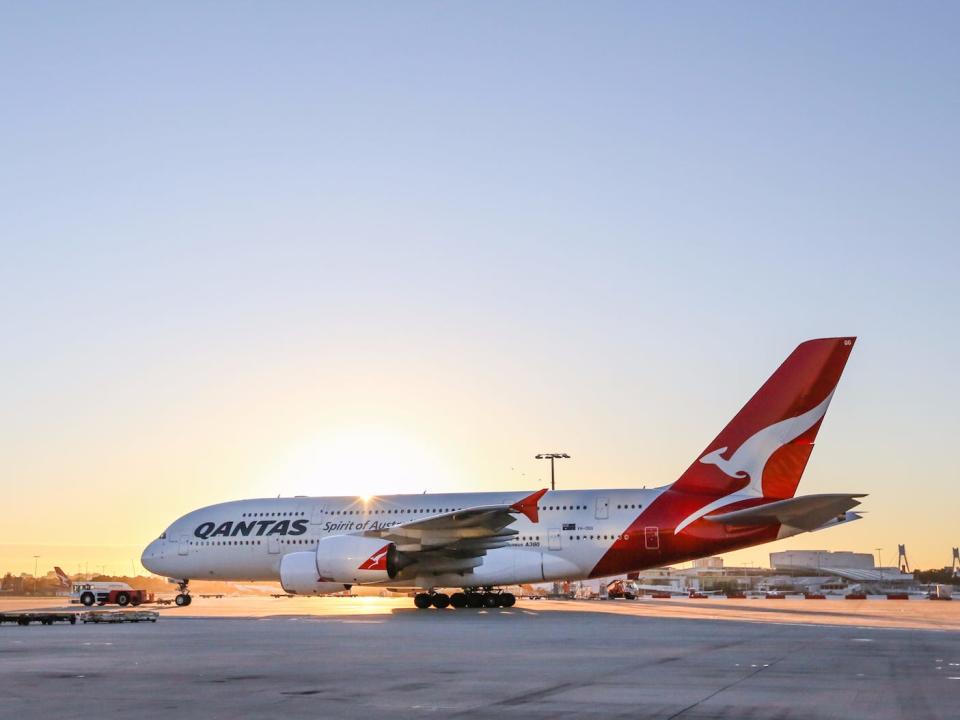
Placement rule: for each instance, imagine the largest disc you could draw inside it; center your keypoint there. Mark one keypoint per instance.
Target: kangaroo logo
(377, 561)
(749, 460)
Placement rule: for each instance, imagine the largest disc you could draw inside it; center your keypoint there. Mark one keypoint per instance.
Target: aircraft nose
(151, 557)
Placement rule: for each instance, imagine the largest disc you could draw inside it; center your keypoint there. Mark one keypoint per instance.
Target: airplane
(62, 578)
(739, 492)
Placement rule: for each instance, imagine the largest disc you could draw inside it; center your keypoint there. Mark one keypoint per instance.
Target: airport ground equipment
(108, 593)
(119, 616)
(43, 618)
(621, 589)
(940, 592)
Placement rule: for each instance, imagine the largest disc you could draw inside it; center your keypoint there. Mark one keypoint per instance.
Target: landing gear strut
(471, 597)
(183, 598)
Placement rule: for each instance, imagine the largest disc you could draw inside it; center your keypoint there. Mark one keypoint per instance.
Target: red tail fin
(764, 449)
(62, 577)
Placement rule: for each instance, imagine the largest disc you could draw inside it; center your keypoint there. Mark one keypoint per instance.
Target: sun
(360, 460)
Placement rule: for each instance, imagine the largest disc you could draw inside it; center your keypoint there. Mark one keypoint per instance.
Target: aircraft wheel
(489, 600)
(507, 600)
(474, 600)
(88, 599)
(440, 600)
(422, 601)
(182, 600)
(458, 600)
(123, 599)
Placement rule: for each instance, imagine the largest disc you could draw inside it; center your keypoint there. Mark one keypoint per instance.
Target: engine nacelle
(298, 575)
(357, 559)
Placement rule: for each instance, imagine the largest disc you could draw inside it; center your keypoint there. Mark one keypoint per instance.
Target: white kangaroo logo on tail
(749, 460)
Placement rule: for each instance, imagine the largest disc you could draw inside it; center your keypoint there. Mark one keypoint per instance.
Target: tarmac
(361, 657)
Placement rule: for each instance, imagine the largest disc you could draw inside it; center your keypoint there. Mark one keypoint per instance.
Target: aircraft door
(553, 540)
(651, 538)
(273, 545)
(603, 508)
(318, 514)
(183, 546)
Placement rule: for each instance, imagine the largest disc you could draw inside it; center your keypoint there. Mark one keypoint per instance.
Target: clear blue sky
(232, 229)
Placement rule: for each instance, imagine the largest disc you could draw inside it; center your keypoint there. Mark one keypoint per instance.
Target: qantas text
(247, 528)
(250, 527)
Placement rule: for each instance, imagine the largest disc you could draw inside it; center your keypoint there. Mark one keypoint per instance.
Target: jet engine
(358, 559)
(298, 575)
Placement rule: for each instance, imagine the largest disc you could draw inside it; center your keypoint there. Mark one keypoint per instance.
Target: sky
(252, 249)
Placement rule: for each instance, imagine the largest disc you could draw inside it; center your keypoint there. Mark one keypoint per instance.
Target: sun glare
(363, 461)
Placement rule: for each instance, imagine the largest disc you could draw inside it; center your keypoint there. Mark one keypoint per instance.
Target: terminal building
(793, 571)
(848, 566)
(790, 570)
(816, 559)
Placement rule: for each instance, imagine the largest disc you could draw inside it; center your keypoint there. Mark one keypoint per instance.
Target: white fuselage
(246, 539)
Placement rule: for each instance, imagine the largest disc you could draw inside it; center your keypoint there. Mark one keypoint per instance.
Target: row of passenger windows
(397, 511)
(528, 538)
(304, 541)
(407, 511)
(401, 511)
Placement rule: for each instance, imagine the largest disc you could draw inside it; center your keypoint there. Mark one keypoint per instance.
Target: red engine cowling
(298, 575)
(357, 559)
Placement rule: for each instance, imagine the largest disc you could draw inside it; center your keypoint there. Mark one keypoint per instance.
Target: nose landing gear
(469, 598)
(183, 598)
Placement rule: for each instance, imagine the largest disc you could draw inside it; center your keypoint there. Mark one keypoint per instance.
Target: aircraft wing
(464, 534)
(807, 512)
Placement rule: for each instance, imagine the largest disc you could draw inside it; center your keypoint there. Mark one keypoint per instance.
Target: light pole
(35, 558)
(879, 563)
(551, 457)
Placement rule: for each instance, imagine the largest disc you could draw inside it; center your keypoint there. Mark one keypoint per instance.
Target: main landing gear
(183, 598)
(470, 598)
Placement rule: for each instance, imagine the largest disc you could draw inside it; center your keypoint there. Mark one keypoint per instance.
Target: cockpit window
(163, 536)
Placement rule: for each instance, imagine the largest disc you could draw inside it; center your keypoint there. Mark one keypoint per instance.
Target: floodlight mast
(551, 457)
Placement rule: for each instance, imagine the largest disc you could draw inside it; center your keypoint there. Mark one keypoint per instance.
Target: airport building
(812, 571)
(815, 559)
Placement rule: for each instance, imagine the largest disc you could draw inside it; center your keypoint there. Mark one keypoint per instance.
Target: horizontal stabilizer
(807, 512)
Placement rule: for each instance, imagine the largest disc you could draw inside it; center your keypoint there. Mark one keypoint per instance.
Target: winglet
(528, 506)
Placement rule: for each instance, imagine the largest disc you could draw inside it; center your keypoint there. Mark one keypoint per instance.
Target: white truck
(90, 593)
